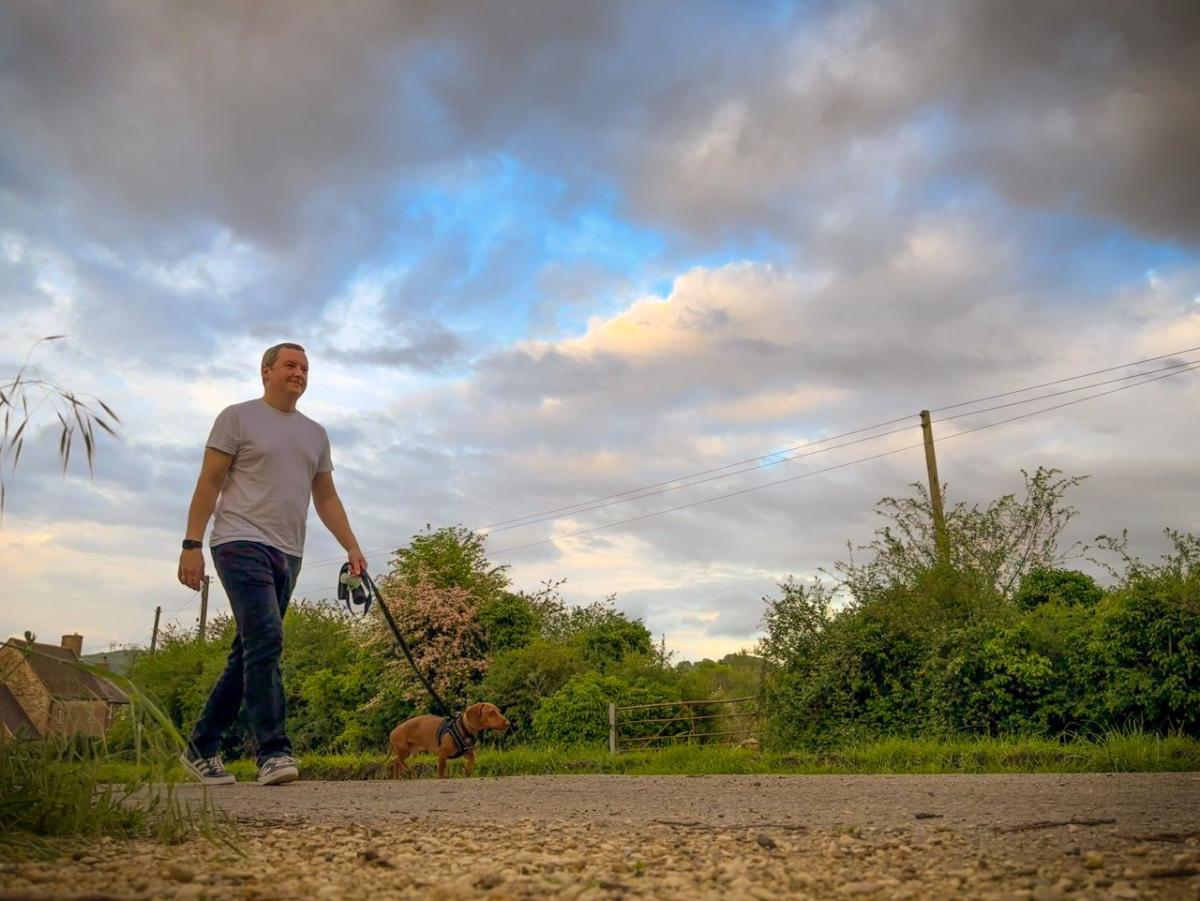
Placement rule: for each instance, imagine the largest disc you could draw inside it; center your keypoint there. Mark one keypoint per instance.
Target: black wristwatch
(192, 545)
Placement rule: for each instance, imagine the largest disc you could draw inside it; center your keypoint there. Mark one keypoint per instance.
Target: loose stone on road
(1036, 837)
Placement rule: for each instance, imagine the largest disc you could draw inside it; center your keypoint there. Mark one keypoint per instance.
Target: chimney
(73, 643)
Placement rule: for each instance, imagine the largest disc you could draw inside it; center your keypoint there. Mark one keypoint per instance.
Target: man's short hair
(271, 354)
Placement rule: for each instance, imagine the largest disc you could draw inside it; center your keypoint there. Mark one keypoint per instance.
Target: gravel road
(1039, 837)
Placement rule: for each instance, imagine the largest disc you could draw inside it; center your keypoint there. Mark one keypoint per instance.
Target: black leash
(360, 592)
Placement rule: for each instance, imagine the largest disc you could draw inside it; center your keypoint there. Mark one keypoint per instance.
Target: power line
(813, 453)
(505, 524)
(720, 472)
(537, 517)
(162, 624)
(1174, 371)
(1157, 375)
(1073, 378)
(714, 478)
(777, 456)
(1182, 365)
(502, 525)
(190, 600)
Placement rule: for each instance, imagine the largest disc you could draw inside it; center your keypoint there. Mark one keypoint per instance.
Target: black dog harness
(456, 728)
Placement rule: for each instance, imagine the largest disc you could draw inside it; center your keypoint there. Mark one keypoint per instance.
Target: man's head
(285, 370)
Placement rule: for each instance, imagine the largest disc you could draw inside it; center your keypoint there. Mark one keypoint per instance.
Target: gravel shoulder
(1038, 837)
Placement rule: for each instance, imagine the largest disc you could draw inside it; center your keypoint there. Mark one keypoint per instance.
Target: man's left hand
(358, 563)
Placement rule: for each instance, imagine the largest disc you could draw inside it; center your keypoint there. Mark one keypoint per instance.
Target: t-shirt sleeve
(226, 434)
(325, 462)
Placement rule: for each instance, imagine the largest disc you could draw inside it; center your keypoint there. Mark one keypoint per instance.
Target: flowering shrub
(441, 627)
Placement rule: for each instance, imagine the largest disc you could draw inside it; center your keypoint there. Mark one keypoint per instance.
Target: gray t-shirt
(266, 493)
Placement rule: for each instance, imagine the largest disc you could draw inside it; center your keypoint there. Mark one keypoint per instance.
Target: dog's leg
(470, 759)
(441, 767)
(401, 752)
(400, 768)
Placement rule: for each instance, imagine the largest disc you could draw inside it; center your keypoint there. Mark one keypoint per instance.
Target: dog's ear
(473, 716)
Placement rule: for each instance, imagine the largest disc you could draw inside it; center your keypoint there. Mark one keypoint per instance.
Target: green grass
(59, 787)
(1118, 752)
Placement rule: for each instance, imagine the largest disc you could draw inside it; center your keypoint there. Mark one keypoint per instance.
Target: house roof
(13, 715)
(52, 665)
(110, 692)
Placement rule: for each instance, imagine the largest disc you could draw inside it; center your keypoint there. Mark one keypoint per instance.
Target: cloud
(1070, 106)
(542, 253)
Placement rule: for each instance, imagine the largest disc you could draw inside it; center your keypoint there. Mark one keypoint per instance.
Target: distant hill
(119, 660)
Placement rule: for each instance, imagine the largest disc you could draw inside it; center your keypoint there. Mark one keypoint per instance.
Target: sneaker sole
(281, 776)
(229, 779)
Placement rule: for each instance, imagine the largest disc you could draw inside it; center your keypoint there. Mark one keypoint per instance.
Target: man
(263, 462)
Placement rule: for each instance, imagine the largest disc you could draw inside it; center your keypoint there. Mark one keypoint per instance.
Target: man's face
(289, 375)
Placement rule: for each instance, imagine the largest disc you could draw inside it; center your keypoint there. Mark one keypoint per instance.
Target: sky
(543, 253)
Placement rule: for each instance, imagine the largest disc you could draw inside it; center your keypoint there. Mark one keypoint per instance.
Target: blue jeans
(258, 580)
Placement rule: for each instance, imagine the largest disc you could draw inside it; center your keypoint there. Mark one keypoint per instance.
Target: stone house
(14, 723)
(55, 697)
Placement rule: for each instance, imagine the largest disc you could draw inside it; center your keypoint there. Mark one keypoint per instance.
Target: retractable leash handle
(360, 591)
(356, 590)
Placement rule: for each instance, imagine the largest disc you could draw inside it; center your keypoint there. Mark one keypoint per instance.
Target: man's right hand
(191, 568)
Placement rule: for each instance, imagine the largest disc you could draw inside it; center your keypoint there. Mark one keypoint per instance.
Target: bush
(180, 674)
(519, 680)
(578, 712)
(607, 643)
(1068, 586)
(913, 644)
(509, 621)
(1144, 646)
(328, 677)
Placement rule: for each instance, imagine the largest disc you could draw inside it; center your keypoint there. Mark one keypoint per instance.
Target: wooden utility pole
(204, 604)
(935, 490)
(154, 634)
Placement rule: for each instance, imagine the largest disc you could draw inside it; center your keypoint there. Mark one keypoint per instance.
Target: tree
(443, 593)
(441, 627)
(75, 415)
(733, 676)
(450, 557)
(509, 621)
(1042, 585)
(610, 641)
(991, 549)
(795, 623)
(519, 679)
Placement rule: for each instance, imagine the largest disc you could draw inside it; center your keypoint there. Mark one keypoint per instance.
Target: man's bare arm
(204, 500)
(333, 515)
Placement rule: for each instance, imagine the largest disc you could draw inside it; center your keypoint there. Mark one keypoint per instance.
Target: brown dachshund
(427, 733)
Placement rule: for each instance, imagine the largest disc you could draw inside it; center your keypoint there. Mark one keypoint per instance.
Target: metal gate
(687, 722)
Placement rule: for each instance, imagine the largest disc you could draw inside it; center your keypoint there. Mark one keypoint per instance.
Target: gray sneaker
(209, 770)
(278, 769)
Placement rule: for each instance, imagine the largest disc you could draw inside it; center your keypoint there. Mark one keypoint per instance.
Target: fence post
(612, 728)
